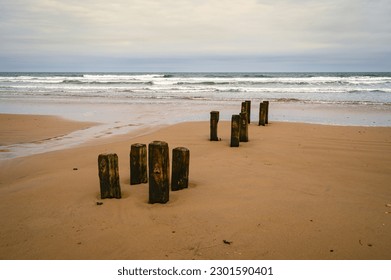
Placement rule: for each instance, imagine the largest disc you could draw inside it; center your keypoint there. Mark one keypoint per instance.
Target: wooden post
(267, 111)
(262, 114)
(214, 119)
(243, 108)
(109, 176)
(235, 127)
(138, 164)
(159, 167)
(243, 131)
(248, 107)
(180, 168)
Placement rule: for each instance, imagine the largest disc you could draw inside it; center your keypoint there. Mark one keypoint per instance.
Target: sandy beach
(294, 191)
(17, 129)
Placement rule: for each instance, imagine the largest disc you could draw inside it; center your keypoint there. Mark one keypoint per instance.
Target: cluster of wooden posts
(239, 123)
(157, 170)
(158, 167)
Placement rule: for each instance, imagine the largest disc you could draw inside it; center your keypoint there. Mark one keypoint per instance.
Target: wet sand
(17, 129)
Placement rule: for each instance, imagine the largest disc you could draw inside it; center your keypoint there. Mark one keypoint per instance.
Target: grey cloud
(352, 29)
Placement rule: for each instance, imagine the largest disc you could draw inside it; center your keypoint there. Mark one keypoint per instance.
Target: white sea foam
(310, 87)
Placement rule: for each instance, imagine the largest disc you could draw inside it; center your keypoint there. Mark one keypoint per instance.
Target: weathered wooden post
(248, 107)
(214, 119)
(243, 108)
(159, 167)
(267, 112)
(180, 168)
(138, 164)
(243, 131)
(262, 114)
(235, 127)
(109, 176)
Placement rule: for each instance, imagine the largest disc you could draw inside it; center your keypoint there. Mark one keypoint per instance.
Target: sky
(192, 35)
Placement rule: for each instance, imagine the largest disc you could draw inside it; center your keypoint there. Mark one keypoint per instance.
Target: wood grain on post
(214, 119)
(243, 131)
(109, 176)
(180, 168)
(138, 164)
(159, 167)
(248, 107)
(235, 127)
(262, 114)
(267, 111)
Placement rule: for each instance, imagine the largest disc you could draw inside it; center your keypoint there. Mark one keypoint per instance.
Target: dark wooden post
(138, 164)
(248, 107)
(267, 112)
(243, 108)
(109, 176)
(235, 127)
(159, 167)
(243, 131)
(214, 119)
(262, 114)
(180, 168)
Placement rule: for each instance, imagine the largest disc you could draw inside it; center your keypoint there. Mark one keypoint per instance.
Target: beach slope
(294, 191)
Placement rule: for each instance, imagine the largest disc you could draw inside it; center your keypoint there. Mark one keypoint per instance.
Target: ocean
(150, 100)
(316, 88)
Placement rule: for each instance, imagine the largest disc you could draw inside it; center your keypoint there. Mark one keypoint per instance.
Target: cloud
(174, 28)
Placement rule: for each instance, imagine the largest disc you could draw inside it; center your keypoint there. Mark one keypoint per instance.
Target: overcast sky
(195, 35)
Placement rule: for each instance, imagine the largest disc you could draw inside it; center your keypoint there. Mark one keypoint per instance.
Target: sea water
(122, 102)
(330, 88)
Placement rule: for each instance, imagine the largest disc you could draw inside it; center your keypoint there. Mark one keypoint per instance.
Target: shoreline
(120, 119)
(24, 135)
(170, 112)
(294, 191)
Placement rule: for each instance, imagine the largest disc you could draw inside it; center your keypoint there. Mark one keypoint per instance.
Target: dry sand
(294, 191)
